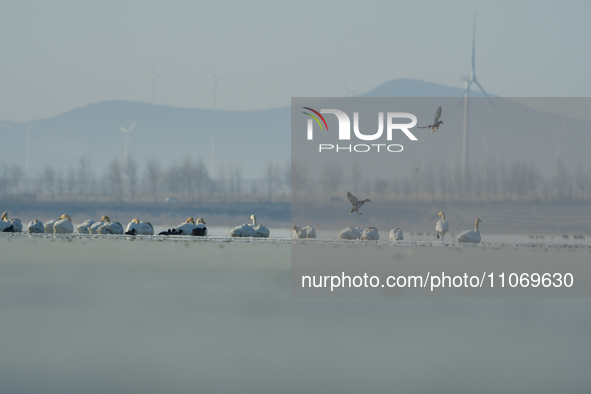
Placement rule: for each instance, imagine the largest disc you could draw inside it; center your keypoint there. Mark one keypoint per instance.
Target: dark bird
(356, 204)
(9, 229)
(167, 232)
(436, 122)
(130, 232)
(199, 231)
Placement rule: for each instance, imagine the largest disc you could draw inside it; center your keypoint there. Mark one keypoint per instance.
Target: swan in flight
(36, 227)
(350, 233)
(436, 122)
(64, 225)
(303, 232)
(187, 227)
(259, 229)
(370, 234)
(441, 227)
(200, 230)
(83, 227)
(93, 229)
(134, 227)
(147, 228)
(396, 234)
(471, 236)
(355, 203)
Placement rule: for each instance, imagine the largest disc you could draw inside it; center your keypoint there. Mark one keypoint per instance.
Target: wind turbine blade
(152, 69)
(213, 74)
(132, 125)
(123, 129)
(486, 94)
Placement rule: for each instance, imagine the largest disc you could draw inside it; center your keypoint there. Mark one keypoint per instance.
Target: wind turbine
(348, 91)
(154, 77)
(215, 88)
(127, 137)
(468, 83)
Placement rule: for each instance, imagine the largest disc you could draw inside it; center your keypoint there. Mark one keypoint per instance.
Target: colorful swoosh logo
(315, 118)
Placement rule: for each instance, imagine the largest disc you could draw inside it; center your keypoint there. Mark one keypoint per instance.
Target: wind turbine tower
(215, 88)
(468, 83)
(153, 81)
(127, 137)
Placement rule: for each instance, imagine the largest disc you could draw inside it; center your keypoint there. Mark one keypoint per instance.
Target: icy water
(106, 314)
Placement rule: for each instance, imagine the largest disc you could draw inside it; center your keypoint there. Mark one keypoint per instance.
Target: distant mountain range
(245, 139)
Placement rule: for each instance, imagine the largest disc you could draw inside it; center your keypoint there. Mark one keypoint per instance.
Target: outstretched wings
(351, 198)
(437, 116)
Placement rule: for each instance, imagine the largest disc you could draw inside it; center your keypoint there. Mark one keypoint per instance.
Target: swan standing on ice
(441, 227)
(471, 236)
(370, 234)
(147, 228)
(83, 227)
(350, 233)
(36, 227)
(260, 230)
(64, 225)
(187, 227)
(135, 226)
(355, 203)
(93, 229)
(396, 234)
(303, 232)
(436, 122)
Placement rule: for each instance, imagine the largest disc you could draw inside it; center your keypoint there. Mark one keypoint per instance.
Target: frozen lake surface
(107, 314)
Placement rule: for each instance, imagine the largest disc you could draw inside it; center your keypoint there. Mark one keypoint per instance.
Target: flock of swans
(64, 225)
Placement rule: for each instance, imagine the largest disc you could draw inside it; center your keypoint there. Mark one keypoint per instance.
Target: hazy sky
(60, 55)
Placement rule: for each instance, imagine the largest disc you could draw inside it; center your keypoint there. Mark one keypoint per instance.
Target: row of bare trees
(188, 180)
(491, 181)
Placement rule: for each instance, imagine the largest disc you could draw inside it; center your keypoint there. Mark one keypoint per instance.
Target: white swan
(396, 234)
(134, 225)
(298, 232)
(303, 232)
(64, 225)
(370, 234)
(16, 224)
(109, 227)
(36, 227)
(350, 233)
(260, 230)
(243, 230)
(187, 227)
(200, 229)
(93, 229)
(4, 223)
(83, 227)
(471, 236)
(441, 227)
(48, 226)
(147, 228)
